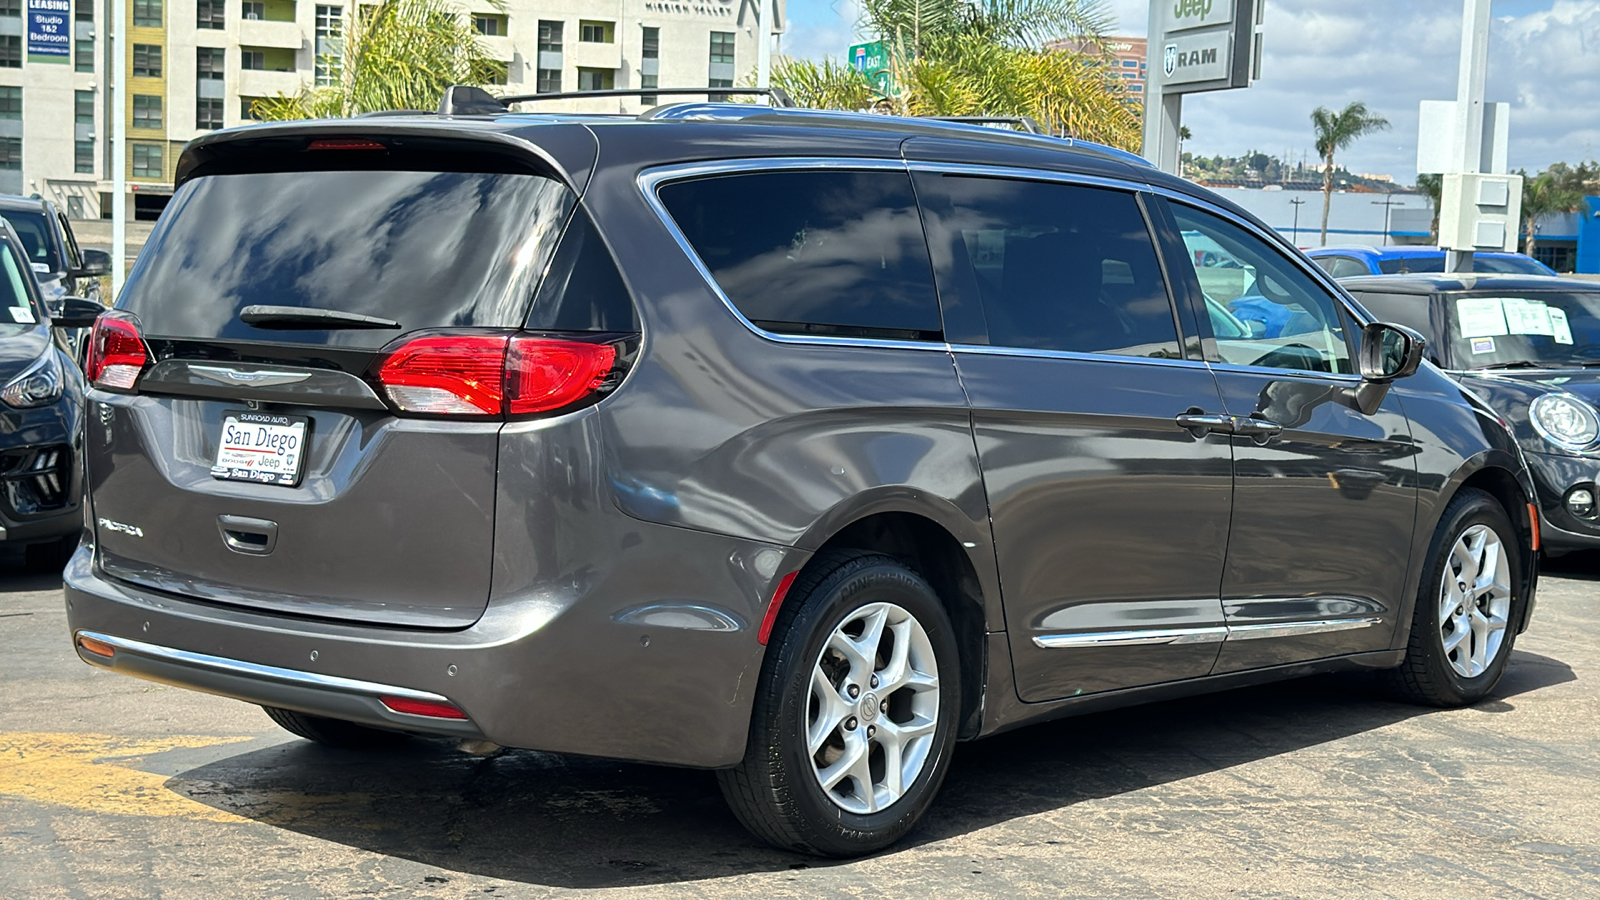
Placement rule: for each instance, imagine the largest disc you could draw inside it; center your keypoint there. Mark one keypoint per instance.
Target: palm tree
(1432, 187)
(983, 58)
(1184, 134)
(400, 54)
(1336, 131)
(1544, 194)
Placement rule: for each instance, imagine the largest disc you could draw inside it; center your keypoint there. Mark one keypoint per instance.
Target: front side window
(1051, 266)
(1290, 321)
(1523, 329)
(814, 252)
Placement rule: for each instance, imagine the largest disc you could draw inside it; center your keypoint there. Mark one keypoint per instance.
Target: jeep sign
(1185, 14)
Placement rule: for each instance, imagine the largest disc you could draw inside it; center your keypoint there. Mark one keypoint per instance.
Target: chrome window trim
(651, 180)
(1025, 174)
(255, 671)
(1036, 353)
(1205, 634)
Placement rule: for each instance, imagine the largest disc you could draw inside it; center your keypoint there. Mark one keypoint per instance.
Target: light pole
(1297, 202)
(119, 146)
(1388, 201)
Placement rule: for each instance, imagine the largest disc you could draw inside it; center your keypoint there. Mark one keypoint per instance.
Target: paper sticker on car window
(1480, 316)
(1559, 328)
(1483, 345)
(22, 315)
(1526, 316)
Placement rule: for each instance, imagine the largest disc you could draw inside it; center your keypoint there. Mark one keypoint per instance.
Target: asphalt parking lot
(111, 787)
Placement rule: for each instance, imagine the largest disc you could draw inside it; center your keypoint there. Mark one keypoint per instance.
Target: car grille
(35, 479)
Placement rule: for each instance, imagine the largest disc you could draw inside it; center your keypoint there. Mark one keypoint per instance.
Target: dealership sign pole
(1194, 45)
(119, 146)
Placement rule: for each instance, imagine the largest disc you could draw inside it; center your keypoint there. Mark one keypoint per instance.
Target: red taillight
(491, 375)
(546, 373)
(116, 352)
(427, 708)
(344, 144)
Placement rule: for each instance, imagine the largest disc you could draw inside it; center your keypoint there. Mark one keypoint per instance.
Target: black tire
(1427, 676)
(774, 790)
(334, 732)
(50, 556)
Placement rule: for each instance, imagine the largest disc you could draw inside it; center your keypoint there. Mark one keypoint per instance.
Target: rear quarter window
(814, 252)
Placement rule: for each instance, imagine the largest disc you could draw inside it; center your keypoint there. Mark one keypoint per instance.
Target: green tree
(1336, 131)
(983, 58)
(400, 54)
(1543, 194)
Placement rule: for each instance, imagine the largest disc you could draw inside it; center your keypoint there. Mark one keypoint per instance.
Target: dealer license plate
(262, 447)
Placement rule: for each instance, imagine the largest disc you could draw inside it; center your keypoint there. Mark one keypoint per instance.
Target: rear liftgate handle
(243, 534)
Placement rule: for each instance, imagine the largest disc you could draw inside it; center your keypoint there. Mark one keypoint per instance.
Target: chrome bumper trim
(244, 669)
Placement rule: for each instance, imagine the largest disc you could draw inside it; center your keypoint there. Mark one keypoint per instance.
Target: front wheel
(855, 715)
(1469, 602)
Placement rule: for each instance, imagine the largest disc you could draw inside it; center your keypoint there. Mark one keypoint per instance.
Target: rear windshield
(425, 249)
(34, 230)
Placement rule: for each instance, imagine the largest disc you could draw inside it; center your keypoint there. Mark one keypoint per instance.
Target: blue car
(1347, 262)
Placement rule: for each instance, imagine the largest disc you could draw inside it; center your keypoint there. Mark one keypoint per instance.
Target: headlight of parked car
(1565, 420)
(38, 385)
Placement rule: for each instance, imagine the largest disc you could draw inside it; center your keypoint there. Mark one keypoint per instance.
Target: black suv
(789, 444)
(61, 267)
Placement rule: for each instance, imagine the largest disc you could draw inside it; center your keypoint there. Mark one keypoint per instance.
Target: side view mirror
(76, 312)
(95, 262)
(1389, 352)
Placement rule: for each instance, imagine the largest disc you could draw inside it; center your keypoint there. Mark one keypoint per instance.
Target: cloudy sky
(1544, 59)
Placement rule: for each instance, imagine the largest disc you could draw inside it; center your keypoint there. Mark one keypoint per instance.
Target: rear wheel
(855, 716)
(333, 732)
(1464, 624)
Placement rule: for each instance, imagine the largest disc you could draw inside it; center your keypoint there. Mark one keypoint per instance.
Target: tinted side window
(1410, 310)
(1293, 322)
(1052, 266)
(583, 291)
(1342, 266)
(814, 252)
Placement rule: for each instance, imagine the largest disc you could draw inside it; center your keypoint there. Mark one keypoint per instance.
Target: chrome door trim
(1035, 353)
(1206, 634)
(650, 181)
(253, 671)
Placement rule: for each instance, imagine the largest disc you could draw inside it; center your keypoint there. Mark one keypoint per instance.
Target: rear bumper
(656, 661)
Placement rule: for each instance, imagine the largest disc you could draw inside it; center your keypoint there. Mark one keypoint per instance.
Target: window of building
(147, 13)
(652, 43)
(548, 72)
(83, 10)
(83, 107)
(10, 51)
(146, 111)
(593, 32)
(247, 108)
(596, 79)
(83, 157)
(210, 14)
(208, 113)
(11, 102)
(11, 153)
(649, 81)
(489, 25)
(1291, 322)
(722, 47)
(83, 55)
(147, 160)
(648, 71)
(1052, 266)
(147, 60)
(822, 252)
(253, 10)
(208, 63)
(252, 59)
(330, 24)
(11, 9)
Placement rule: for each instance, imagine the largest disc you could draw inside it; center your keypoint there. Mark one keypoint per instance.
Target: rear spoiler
(465, 100)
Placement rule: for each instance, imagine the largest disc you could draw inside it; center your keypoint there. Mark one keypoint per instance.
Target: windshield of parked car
(34, 230)
(1506, 265)
(1505, 329)
(16, 310)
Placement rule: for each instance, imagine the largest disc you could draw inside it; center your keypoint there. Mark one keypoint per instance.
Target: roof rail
(465, 100)
(1018, 123)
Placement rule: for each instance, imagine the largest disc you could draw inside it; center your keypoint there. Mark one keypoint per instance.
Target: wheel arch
(935, 552)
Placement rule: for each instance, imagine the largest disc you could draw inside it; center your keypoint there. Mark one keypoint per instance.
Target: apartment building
(198, 65)
(1128, 57)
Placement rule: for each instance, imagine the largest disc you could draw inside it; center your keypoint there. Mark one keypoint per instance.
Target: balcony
(586, 55)
(262, 83)
(267, 33)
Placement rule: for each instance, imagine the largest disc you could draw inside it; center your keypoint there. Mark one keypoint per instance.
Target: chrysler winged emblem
(224, 375)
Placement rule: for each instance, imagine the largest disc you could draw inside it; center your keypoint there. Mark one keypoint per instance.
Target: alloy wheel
(1474, 601)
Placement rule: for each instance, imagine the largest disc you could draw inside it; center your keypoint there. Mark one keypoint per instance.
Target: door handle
(243, 534)
(1262, 430)
(1202, 423)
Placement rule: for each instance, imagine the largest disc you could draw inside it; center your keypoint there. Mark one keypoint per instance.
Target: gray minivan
(788, 444)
